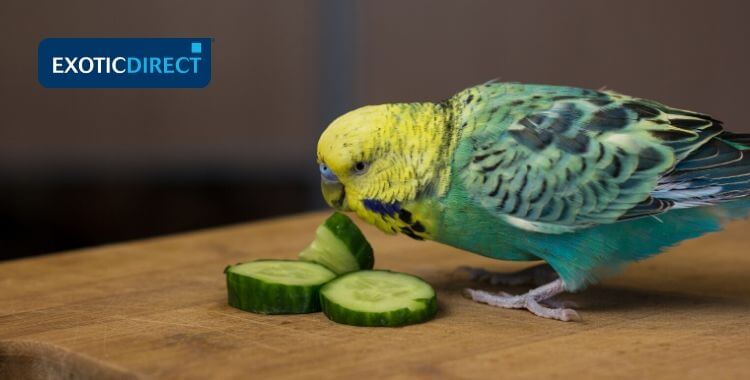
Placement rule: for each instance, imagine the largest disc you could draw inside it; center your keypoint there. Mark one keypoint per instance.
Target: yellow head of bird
(385, 152)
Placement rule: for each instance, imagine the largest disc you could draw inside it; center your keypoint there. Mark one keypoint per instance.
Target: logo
(124, 62)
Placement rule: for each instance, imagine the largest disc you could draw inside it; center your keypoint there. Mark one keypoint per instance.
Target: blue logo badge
(125, 62)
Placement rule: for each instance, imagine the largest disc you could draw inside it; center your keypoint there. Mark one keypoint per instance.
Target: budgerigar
(586, 181)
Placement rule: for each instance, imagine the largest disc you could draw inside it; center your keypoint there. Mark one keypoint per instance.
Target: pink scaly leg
(531, 301)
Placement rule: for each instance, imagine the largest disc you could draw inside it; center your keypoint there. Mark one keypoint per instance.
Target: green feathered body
(583, 257)
(585, 180)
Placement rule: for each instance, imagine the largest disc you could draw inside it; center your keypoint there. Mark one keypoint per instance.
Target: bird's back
(510, 198)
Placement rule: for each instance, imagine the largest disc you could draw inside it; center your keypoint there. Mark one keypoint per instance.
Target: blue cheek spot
(389, 209)
(327, 174)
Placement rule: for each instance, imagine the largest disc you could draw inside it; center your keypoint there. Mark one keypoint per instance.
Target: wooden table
(157, 309)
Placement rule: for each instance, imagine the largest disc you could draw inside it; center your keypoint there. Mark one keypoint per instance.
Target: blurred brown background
(84, 167)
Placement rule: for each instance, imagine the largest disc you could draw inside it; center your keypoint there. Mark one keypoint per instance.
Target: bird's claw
(537, 301)
(559, 304)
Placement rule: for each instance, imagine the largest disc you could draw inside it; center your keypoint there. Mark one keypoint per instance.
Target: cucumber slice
(276, 286)
(340, 246)
(378, 298)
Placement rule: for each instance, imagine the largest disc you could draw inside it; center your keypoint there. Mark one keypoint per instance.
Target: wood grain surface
(157, 309)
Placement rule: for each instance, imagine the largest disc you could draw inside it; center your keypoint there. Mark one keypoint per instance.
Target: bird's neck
(426, 135)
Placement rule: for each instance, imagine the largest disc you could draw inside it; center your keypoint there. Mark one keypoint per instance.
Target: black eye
(360, 167)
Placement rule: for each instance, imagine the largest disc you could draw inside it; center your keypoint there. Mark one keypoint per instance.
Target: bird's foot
(537, 275)
(538, 301)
